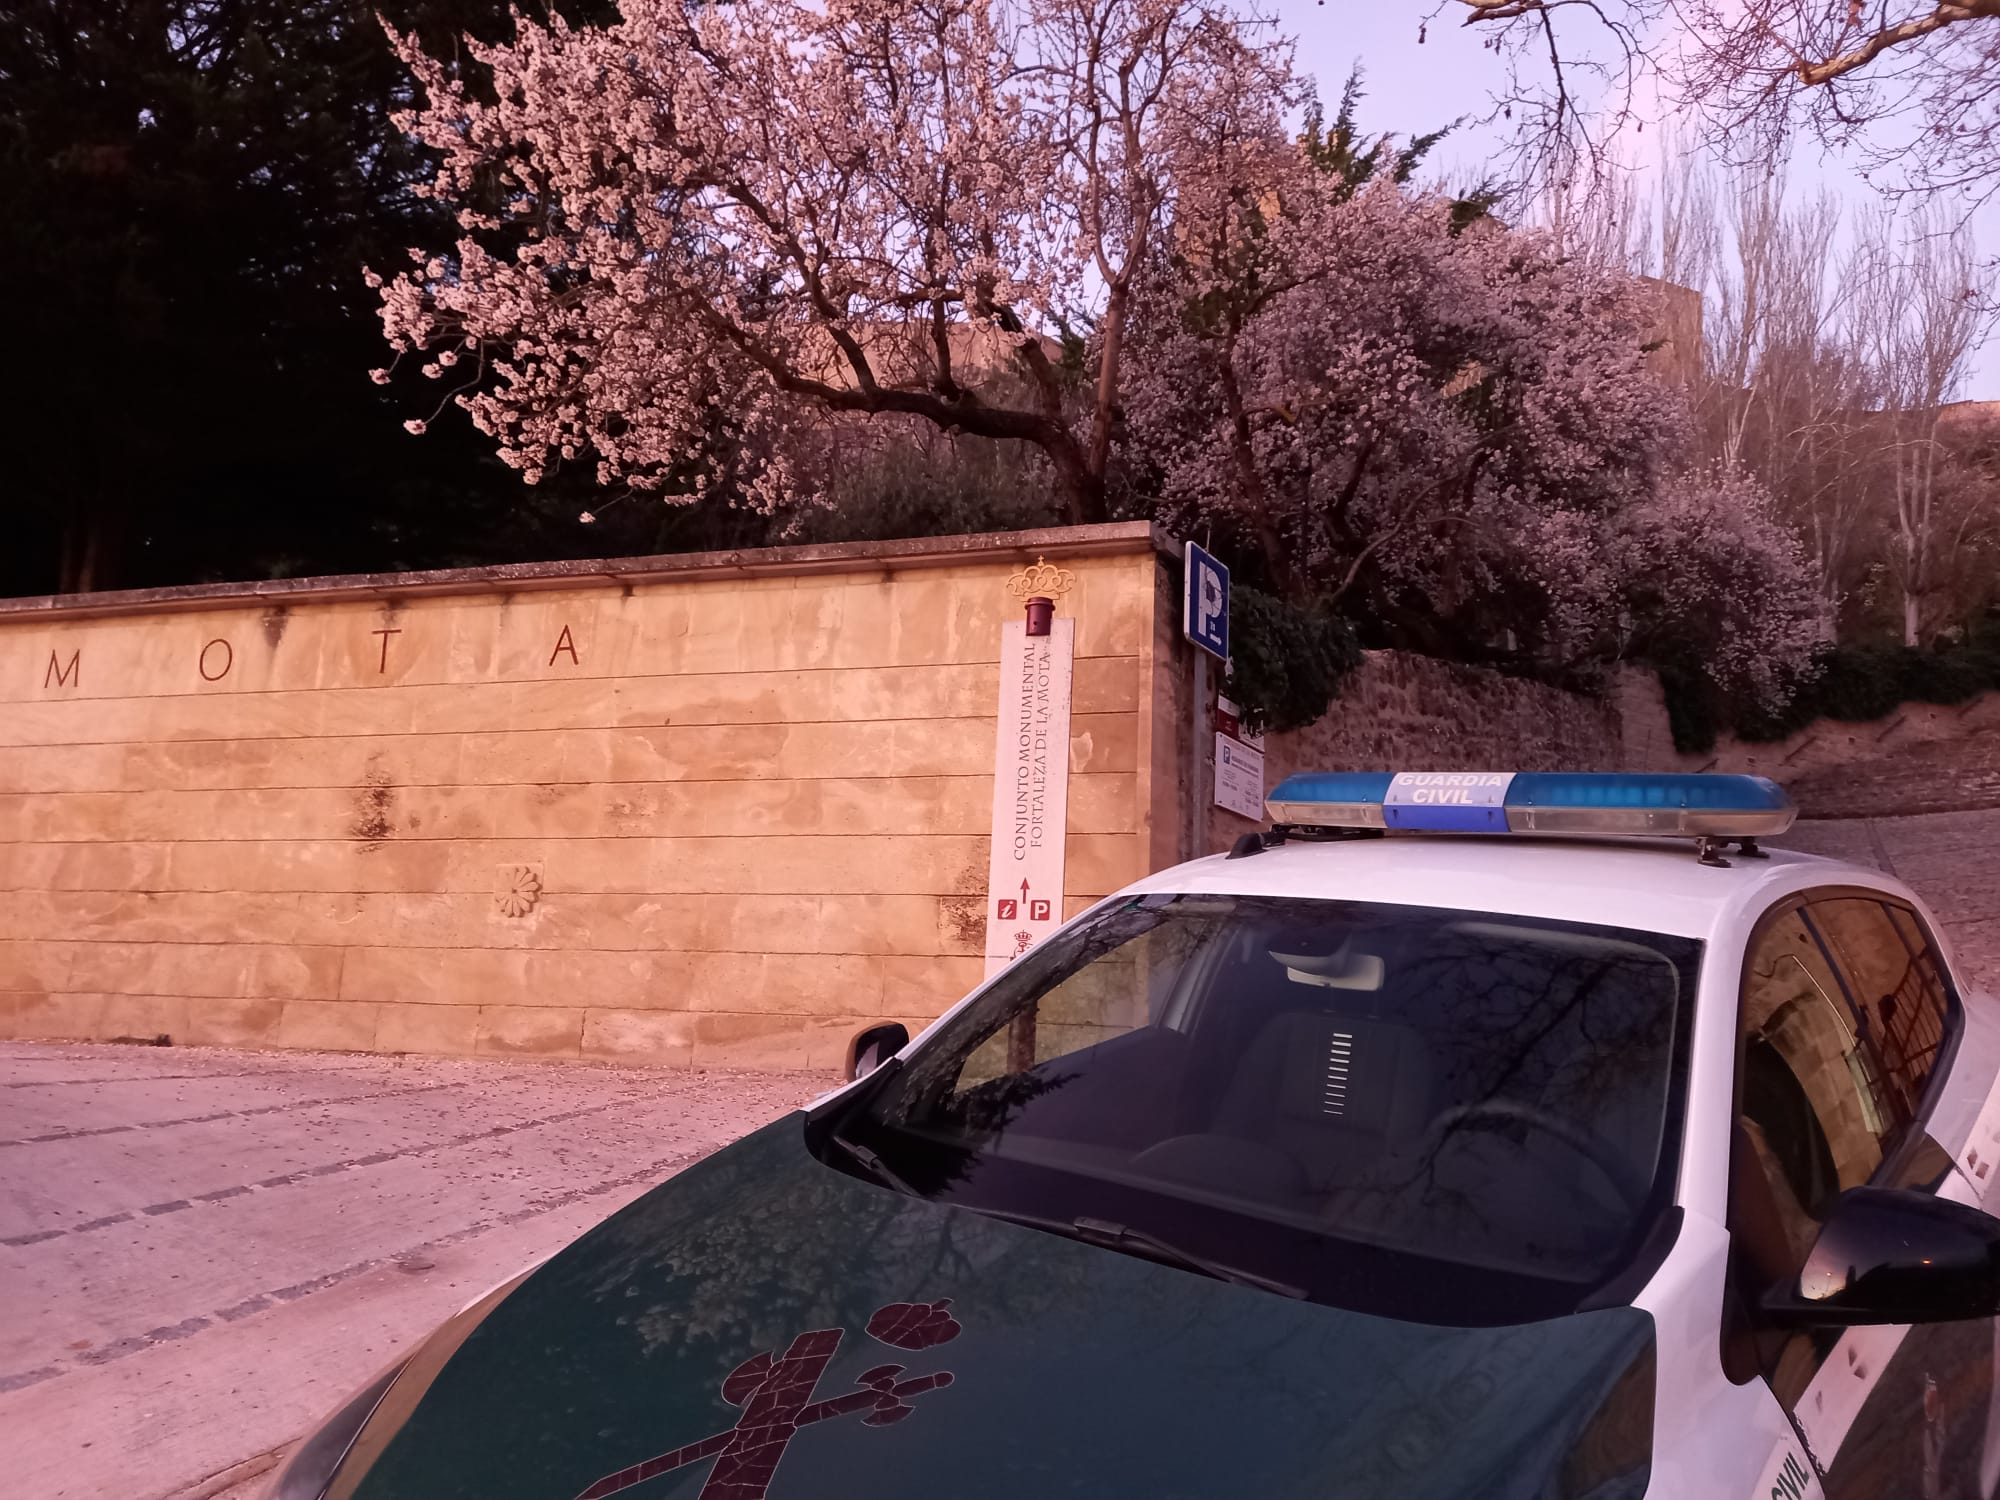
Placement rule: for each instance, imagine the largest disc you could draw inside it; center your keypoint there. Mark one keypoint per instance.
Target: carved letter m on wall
(61, 676)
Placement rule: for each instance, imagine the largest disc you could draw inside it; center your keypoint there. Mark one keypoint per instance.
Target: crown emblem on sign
(1041, 581)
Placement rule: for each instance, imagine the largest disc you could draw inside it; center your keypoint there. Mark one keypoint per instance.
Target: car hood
(766, 1326)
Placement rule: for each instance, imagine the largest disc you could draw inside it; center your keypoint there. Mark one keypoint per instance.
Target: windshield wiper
(1123, 1234)
(1116, 1236)
(873, 1165)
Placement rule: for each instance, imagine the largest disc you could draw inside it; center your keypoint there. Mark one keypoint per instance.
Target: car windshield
(1453, 1116)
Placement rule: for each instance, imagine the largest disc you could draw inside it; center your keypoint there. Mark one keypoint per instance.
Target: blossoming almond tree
(692, 237)
(1458, 433)
(1715, 585)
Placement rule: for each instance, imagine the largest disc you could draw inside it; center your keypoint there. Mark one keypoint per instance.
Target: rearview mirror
(875, 1046)
(1894, 1255)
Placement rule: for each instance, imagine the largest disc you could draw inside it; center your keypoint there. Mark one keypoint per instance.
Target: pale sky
(1412, 87)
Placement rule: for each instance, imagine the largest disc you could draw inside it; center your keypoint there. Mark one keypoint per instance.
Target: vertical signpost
(1205, 623)
(1024, 878)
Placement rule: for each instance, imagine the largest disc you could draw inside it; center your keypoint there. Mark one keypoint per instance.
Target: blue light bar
(1331, 799)
(1645, 802)
(1629, 802)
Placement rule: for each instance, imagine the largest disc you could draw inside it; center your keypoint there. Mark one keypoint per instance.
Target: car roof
(1648, 885)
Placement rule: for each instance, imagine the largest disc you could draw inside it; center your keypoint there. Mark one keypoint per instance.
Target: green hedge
(1286, 660)
(1853, 684)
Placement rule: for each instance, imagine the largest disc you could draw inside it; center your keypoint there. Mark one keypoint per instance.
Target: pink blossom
(1403, 420)
(802, 213)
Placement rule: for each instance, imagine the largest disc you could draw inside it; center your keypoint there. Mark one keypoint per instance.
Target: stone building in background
(1677, 339)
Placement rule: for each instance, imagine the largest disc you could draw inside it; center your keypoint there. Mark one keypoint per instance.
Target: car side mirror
(1894, 1255)
(875, 1046)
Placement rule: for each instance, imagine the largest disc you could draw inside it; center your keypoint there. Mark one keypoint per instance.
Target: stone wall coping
(888, 557)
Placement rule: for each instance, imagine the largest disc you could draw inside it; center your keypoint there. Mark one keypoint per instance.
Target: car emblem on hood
(776, 1395)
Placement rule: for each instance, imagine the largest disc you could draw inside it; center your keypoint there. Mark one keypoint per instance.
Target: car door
(1848, 1030)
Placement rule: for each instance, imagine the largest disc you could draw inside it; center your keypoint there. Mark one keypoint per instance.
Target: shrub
(1852, 683)
(1286, 660)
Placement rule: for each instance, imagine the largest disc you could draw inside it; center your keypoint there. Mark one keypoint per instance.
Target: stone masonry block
(1098, 864)
(628, 981)
(778, 1042)
(928, 987)
(329, 1025)
(450, 1029)
(403, 975)
(292, 973)
(63, 1016)
(144, 1017)
(803, 984)
(233, 1023)
(648, 1037)
(529, 1031)
(35, 965)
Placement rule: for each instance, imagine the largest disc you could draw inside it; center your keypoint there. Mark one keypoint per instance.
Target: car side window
(1805, 1110)
(1847, 1011)
(1899, 998)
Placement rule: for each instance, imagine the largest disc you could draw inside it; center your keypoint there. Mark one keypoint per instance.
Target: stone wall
(1922, 758)
(1646, 736)
(720, 809)
(1419, 714)
(1398, 711)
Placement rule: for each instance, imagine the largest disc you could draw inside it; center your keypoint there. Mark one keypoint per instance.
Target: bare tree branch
(1911, 84)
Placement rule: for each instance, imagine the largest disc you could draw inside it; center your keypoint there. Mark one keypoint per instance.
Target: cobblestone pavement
(1951, 859)
(202, 1251)
(1925, 777)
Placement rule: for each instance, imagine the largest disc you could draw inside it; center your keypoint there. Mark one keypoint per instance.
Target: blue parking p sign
(1205, 603)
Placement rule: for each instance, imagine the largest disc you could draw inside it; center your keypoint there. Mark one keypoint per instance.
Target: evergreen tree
(189, 190)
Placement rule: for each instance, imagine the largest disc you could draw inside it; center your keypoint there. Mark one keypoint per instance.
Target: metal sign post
(1205, 623)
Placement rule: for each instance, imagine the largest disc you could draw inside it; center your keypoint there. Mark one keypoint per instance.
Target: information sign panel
(1239, 778)
(1024, 879)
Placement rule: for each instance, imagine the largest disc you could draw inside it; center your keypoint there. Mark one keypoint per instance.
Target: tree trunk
(91, 549)
(1083, 491)
(1251, 492)
(1107, 386)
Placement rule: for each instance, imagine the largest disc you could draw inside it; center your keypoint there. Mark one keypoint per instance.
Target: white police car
(1350, 1166)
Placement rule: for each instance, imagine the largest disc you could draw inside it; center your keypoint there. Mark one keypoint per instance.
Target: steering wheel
(1630, 1188)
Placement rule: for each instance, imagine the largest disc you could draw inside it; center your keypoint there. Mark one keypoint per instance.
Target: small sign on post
(1205, 603)
(1229, 721)
(1239, 778)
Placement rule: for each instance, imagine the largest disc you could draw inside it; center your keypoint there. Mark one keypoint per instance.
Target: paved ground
(1925, 777)
(201, 1251)
(1951, 859)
